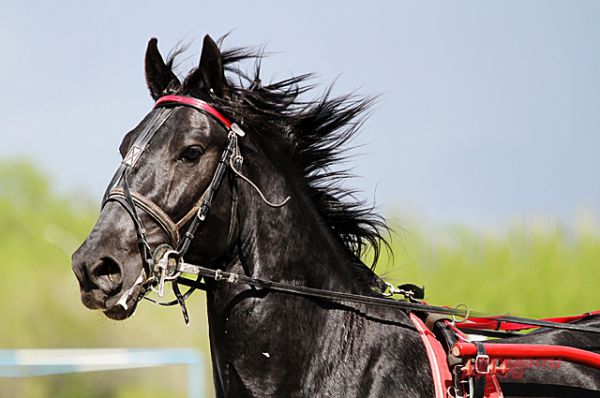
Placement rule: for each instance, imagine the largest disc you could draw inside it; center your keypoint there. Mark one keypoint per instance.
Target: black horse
(266, 343)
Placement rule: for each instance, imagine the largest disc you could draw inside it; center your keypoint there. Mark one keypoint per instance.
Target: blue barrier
(42, 362)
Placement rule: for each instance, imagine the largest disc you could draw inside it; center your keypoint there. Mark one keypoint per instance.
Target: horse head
(169, 163)
(185, 159)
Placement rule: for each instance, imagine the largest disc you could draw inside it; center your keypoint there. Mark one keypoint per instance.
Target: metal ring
(466, 316)
(218, 275)
(391, 288)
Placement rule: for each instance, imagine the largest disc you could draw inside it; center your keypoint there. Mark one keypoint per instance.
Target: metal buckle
(482, 364)
(237, 129)
(168, 270)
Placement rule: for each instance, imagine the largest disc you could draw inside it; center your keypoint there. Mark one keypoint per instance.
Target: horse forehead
(183, 121)
(192, 118)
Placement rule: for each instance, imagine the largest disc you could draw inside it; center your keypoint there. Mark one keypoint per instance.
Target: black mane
(312, 134)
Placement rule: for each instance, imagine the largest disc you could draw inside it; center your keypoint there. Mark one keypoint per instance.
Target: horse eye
(191, 154)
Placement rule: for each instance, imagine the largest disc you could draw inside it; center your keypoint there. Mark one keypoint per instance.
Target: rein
(166, 264)
(230, 277)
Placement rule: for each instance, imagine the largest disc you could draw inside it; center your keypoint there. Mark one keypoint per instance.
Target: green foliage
(537, 272)
(524, 271)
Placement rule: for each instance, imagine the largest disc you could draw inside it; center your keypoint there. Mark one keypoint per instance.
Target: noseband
(160, 265)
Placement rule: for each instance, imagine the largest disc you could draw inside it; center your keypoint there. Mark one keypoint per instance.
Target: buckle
(482, 364)
(166, 268)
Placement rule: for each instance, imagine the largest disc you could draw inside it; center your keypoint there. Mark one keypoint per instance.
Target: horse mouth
(123, 306)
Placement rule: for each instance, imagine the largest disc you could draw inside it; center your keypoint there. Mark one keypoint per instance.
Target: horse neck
(254, 332)
(292, 243)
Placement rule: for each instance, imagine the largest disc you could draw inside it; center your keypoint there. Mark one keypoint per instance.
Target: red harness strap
(194, 103)
(438, 360)
(531, 351)
(442, 379)
(491, 323)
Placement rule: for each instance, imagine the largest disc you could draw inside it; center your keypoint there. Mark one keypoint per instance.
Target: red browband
(194, 103)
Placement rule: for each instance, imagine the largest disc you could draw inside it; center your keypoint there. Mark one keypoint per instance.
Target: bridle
(160, 264)
(166, 262)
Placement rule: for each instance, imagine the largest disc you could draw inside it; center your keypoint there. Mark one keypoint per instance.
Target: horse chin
(119, 310)
(119, 313)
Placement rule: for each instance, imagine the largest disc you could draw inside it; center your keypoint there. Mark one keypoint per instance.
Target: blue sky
(489, 111)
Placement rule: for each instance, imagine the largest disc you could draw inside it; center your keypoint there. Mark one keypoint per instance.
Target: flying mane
(312, 135)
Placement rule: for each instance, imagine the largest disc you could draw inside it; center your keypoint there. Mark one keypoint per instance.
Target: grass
(523, 271)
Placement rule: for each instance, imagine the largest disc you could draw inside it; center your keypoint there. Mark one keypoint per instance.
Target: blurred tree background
(39, 230)
(542, 271)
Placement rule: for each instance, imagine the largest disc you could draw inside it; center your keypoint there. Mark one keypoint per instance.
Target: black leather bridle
(160, 264)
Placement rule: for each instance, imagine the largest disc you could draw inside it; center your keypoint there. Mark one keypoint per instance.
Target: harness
(459, 367)
(463, 368)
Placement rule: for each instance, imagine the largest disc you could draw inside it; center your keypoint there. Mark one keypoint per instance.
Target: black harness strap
(209, 195)
(130, 159)
(219, 275)
(482, 362)
(162, 219)
(120, 178)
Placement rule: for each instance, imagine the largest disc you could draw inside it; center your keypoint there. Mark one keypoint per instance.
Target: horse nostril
(107, 275)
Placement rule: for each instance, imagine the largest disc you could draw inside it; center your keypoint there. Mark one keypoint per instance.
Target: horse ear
(210, 74)
(159, 76)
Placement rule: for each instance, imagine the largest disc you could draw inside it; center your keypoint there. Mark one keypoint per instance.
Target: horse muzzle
(104, 283)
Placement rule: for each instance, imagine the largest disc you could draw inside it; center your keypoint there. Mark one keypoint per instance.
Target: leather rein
(166, 264)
